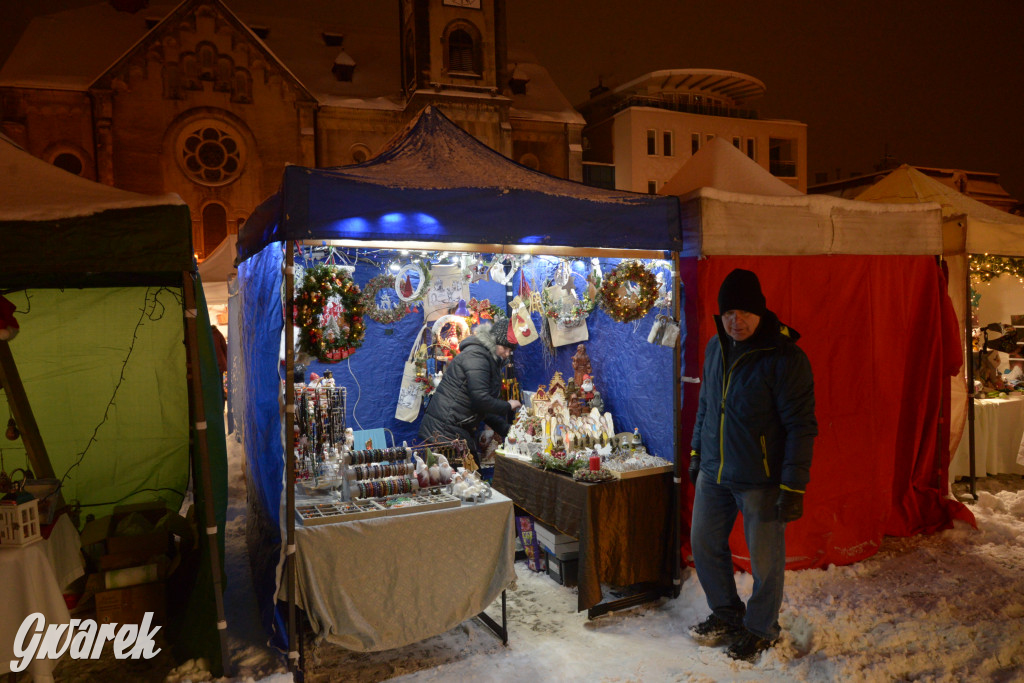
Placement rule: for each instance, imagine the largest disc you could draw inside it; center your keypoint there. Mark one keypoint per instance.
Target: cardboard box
(556, 543)
(129, 605)
(563, 571)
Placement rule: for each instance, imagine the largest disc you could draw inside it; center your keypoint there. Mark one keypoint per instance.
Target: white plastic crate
(19, 523)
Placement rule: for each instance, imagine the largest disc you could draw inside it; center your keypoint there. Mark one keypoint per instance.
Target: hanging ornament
(8, 325)
(411, 282)
(380, 302)
(12, 430)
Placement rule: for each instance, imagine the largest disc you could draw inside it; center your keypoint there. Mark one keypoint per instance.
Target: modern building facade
(642, 132)
(210, 99)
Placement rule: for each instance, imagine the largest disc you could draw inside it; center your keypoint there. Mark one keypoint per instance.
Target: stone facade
(211, 102)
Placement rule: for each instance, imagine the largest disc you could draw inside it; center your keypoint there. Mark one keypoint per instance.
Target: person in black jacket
(470, 389)
(752, 446)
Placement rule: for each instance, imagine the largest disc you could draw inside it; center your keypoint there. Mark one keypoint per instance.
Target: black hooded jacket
(755, 418)
(468, 393)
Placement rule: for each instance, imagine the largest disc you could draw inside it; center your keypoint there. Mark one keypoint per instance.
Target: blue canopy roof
(437, 183)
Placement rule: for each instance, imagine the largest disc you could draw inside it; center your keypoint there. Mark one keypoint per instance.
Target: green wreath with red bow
(329, 313)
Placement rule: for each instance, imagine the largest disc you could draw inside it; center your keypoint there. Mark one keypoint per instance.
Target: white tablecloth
(64, 550)
(376, 584)
(998, 428)
(28, 586)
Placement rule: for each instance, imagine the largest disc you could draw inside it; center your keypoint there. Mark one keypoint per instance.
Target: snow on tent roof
(87, 233)
(436, 182)
(989, 230)
(720, 165)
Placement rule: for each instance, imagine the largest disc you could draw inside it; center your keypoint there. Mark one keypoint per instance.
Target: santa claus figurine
(587, 389)
(8, 325)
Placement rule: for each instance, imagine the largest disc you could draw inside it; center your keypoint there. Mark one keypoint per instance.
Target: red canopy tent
(863, 285)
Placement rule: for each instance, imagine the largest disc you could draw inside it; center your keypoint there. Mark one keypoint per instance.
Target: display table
(998, 428)
(624, 527)
(29, 586)
(380, 583)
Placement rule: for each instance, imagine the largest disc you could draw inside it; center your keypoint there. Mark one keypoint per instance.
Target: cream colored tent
(969, 227)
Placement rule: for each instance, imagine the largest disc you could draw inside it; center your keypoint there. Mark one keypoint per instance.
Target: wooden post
(289, 450)
(203, 453)
(677, 449)
(22, 411)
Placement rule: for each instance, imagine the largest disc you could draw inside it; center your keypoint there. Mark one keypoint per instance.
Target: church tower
(454, 55)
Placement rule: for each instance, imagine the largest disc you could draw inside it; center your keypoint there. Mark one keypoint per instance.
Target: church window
(210, 153)
(462, 53)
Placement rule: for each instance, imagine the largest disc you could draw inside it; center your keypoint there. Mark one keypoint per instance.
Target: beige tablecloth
(998, 428)
(64, 550)
(381, 583)
(29, 586)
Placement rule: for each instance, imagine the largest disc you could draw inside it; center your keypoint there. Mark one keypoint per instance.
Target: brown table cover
(623, 526)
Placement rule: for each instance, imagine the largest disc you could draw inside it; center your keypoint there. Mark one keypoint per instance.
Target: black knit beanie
(741, 291)
(499, 330)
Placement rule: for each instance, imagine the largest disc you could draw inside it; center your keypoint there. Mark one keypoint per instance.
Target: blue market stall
(434, 188)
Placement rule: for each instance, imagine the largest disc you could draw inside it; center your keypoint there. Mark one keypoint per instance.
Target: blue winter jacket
(755, 419)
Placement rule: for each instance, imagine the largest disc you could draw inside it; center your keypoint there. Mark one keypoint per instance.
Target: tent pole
(677, 388)
(969, 338)
(17, 399)
(289, 450)
(199, 424)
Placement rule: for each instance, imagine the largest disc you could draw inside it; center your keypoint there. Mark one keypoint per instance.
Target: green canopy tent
(112, 378)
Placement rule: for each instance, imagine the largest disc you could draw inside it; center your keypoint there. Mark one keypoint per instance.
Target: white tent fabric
(217, 270)
(969, 227)
(720, 165)
(730, 205)
(729, 223)
(29, 190)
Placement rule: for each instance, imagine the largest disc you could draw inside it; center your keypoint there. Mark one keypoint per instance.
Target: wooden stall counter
(624, 528)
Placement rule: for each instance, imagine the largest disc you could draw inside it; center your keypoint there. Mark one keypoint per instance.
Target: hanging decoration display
(406, 288)
(481, 311)
(567, 310)
(448, 331)
(329, 313)
(379, 302)
(629, 291)
(985, 267)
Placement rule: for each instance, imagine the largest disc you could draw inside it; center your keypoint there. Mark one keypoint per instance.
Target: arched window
(215, 227)
(460, 52)
(69, 162)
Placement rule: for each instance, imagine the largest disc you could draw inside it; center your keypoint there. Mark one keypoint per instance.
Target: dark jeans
(714, 512)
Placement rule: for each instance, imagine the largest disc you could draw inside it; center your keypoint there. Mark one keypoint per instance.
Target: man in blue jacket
(752, 446)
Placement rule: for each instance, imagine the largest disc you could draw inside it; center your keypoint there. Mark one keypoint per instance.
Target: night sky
(931, 82)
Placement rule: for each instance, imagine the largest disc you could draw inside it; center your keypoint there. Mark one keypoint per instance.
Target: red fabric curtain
(876, 330)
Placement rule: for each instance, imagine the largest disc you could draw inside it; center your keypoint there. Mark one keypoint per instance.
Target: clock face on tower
(472, 4)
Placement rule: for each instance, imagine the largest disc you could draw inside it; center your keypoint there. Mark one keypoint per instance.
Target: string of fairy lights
(986, 267)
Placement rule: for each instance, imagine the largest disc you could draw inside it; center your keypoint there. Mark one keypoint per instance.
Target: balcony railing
(782, 169)
(685, 107)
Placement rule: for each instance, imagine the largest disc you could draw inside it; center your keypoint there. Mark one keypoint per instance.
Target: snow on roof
(68, 50)
(720, 165)
(432, 153)
(34, 190)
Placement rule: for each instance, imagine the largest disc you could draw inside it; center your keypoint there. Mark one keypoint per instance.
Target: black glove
(694, 466)
(790, 505)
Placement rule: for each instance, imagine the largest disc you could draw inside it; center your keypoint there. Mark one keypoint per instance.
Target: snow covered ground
(946, 607)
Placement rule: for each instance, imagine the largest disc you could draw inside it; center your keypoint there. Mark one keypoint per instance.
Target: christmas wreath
(616, 300)
(329, 312)
(384, 315)
(403, 282)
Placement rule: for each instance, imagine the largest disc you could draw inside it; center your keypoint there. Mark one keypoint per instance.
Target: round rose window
(210, 153)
